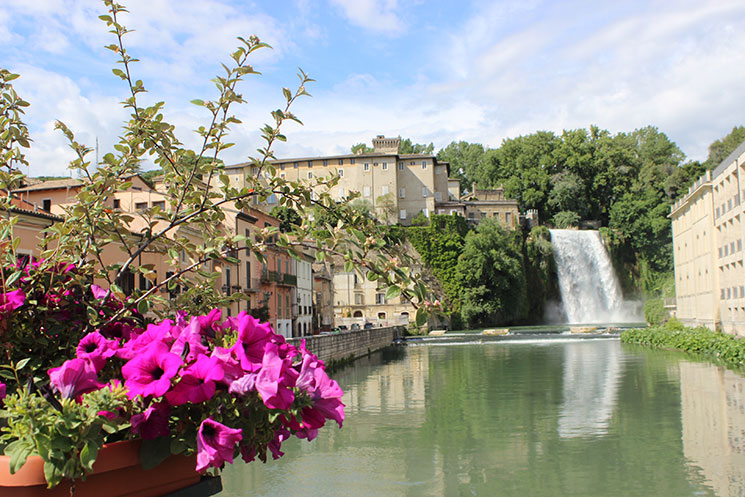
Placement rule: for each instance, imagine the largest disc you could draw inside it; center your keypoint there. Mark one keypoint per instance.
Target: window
(351, 161)
(384, 189)
(385, 166)
(402, 193)
(46, 204)
(310, 174)
(279, 306)
(117, 203)
(341, 173)
(140, 206)
(310, 163)
(380, 298)
(287, 306)
(248, 274)
(325, 162)
(282, 175)
(161, 204)
(282, 167)
(271, 199)
(227, 281)
(359, 299)
(366, 166)
(402, 214)
(400, 166)
(341, 161)
(424, 164)
(366, 191)
(412, 163)
(294, 164)
(508, 217)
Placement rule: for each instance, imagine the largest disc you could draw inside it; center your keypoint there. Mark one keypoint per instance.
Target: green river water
(525, 418)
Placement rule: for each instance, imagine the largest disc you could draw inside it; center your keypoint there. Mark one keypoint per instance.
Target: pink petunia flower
(94, 347)
(150, 372)
(191, 335)
(3, 392)
(252, 336)
(11, 301)
(74, 378)
(215, 444)
(323, 391)
(197, 382)
(276, 378)
(152, 423)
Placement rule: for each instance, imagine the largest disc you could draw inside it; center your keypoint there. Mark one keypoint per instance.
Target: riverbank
(345, 346)
(701, 341)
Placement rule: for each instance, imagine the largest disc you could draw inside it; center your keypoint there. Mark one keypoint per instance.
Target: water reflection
(713, 414)
(579, 418)
(591, 375)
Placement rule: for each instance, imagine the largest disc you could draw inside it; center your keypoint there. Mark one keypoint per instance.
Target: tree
(288, 218)
(361, 148)
(407, 147)
(720, 149)
(492, 273)
(466, 161)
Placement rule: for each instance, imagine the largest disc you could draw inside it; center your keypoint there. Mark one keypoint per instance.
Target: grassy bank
(701, 341)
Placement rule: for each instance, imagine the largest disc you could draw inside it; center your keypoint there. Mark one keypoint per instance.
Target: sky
(429, 70)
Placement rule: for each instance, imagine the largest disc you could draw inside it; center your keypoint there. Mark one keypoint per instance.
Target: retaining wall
(349, 344)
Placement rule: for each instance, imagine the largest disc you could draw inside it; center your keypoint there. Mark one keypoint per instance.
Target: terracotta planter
(116, 473)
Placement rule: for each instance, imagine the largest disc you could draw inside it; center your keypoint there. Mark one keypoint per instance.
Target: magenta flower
(154, 333)
(152, 423)
(150, 372)
(210, 323)
(323, 391)
(215, 444)
(276, 379)
(191, 335)
(98, 292)
(197, 382)
(275, 445)
(229, 363)
(252, 336)
(94, 347)
(74, 378)
(3, 392)
(11, 301)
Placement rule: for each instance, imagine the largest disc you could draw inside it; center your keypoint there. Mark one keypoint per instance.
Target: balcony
(279, 278)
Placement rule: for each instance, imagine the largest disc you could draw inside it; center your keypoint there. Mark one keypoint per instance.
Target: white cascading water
(590, 291)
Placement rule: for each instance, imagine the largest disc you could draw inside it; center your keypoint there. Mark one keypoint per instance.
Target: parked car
(368, 326)
(342, 327)
(355, 326)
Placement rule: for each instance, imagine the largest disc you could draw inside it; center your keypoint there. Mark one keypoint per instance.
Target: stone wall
(349, 344)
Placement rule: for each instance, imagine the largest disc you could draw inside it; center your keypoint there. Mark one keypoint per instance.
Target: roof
(20, 206)
(729, 160)
(54, 184)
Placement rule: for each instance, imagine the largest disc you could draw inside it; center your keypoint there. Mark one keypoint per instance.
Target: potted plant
(201, 386)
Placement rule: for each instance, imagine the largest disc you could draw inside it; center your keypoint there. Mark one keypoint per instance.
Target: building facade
(708, 234)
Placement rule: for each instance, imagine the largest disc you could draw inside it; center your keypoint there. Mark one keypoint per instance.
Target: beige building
(358, 300)
(708, 235)
(397, 186)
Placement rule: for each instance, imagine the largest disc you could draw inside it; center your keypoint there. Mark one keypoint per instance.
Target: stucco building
(708, 235)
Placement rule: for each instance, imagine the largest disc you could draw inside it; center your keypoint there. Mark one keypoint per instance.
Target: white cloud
(375, 15)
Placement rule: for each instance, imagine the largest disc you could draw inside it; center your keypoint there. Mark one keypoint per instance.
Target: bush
(728, 349)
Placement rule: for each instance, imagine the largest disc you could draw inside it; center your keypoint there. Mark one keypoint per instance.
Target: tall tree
(466, 161)
(720, 149)
(407, 147)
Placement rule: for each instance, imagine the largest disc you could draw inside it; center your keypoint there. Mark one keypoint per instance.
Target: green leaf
(196, 101)
(119, 73)
(22, 363)
(88, 455)
(393, 292)
(421, 316)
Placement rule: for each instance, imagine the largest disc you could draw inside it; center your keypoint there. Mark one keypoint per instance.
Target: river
(525, 418)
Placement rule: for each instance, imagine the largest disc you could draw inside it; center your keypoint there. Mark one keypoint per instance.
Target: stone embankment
(349, 345)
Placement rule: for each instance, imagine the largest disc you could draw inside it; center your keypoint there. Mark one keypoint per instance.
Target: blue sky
(433, 71)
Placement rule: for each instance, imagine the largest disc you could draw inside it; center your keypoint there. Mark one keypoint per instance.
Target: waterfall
(590, 291)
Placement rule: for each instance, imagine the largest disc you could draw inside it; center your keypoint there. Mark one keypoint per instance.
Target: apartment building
(708, 234)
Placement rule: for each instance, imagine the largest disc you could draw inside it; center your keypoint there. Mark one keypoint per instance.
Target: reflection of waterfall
(589, 288)
(591, 375)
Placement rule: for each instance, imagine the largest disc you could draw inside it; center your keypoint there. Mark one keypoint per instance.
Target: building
(708, 248)
(323, 296)
(304, 299)
(396, 186)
